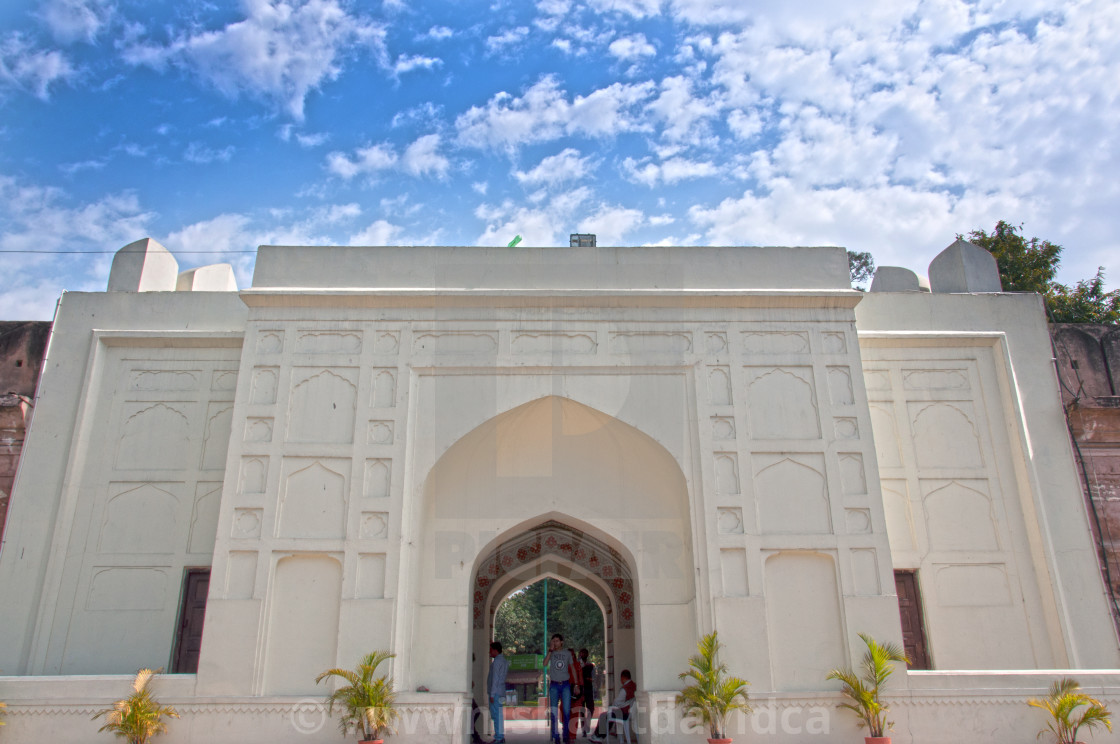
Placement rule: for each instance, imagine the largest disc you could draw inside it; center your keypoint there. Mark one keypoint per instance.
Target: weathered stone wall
(1089, 373)
(21, 356)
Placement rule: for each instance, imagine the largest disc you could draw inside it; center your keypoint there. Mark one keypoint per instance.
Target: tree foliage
(711, 694)
(519, 623)
(1085, 303)
(861, 266)
(138, 717)
(366, 700)
(1024, 265)
(1030, 266)
(1062, 703)
(863, 689)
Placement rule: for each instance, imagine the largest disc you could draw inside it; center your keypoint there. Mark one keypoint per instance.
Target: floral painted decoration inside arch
(568, 544)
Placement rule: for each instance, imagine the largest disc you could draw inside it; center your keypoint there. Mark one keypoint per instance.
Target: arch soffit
(583, 584)
(567, 545)
(481, 430)
(545, 568)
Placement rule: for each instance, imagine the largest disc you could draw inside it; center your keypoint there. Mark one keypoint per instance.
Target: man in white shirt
(622, 704)
(496, 690)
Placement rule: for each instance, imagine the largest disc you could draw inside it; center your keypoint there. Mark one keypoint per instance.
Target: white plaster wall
(988, 358)
(66, 533)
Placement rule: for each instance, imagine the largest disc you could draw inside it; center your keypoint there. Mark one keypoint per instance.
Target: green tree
(1030, 265)
(1085, 303)
(861, 267)
(519, 623)
(1024, 265)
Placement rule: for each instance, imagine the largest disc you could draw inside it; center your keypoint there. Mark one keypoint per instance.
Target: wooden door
(188, 643)
(913, 629)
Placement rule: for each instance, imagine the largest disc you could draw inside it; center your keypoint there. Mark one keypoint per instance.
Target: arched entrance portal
(573, 555)
(549, 487)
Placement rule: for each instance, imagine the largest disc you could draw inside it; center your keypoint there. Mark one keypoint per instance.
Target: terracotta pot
(876, 740)
(719, 741)
(372, 741)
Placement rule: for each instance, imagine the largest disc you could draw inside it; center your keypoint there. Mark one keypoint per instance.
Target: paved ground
(531, 732)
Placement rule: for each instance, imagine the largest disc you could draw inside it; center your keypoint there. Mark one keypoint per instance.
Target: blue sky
(215, 127)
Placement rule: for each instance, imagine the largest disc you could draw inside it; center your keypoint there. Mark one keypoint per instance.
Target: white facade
(371, 447)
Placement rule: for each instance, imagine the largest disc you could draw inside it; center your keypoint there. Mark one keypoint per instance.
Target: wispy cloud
(560, 168)
(281, 51)
(74, 20)
(26, 67)
(420, 158)
(630, 48)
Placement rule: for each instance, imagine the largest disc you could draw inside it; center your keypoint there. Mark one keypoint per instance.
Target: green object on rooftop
(515, 241)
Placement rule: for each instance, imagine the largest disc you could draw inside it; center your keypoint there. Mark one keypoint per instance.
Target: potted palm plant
(863, 690)
(1062, 702)
(366, 700)
(712, 695)
(138, 717)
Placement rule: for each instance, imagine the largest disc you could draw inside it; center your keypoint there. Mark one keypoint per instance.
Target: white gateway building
(371, 448)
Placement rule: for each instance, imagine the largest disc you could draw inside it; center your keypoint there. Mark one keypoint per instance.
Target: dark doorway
(910, 609)
(188, 638)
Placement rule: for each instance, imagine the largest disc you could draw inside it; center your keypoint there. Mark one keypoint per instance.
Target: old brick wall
(1089, 370)
(22, 345)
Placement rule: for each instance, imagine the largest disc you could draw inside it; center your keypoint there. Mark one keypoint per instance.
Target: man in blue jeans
(496, 690)
(559, 687)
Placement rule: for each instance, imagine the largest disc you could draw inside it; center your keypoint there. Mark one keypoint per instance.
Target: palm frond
(711, 695)
(863, 689)
(367, 700)
(139, 716)
(1062, 703)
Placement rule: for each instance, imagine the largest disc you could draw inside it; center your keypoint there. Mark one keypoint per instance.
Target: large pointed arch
(550, 468)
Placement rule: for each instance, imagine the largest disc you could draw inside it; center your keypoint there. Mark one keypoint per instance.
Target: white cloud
(544, 113)
(506, 38)
(683, 114)
(422, 158)
(366, 160)
(630, 48)
(377, 233)
(438, 33)
(416, 62)
(668, 172)
(226, 233)
(634, 8)
(281, 52)
(564, 166)
(538, 226)
(610, 224)
(36, 219)
(199, 153)
(24, 67)
(74, 20)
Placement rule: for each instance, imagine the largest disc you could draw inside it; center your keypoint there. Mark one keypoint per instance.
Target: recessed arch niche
(551, 459)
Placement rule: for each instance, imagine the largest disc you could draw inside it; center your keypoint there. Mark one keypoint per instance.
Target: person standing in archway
(587, 690)
(496, 690)
(559, 662)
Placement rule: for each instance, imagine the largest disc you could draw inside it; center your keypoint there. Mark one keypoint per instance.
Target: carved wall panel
(733, 567)
(380, 432)
(727, 473)
(650, 342)
(455, 342)
(322, 406)
(139, 519)
(853, 479)
(154, 436)
(241, 575)
(945, 435)
(371, 576)
(776, 342)
(729, 520)
(128, 588)
(376, 485)
(782, 404)
(792, 494)
(803, 619)
(265, 382)
(554, 342)
(723, 428)
(215, 441)
(313, 499)
(384, 388)
(254, 475)
(329, 342)
(840, 386)
(270, 342)
(303, 637)
(719, 386)
(959, 517)
(204, 518)
(834, 342)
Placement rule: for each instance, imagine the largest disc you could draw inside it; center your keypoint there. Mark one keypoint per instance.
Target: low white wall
(986, 707)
